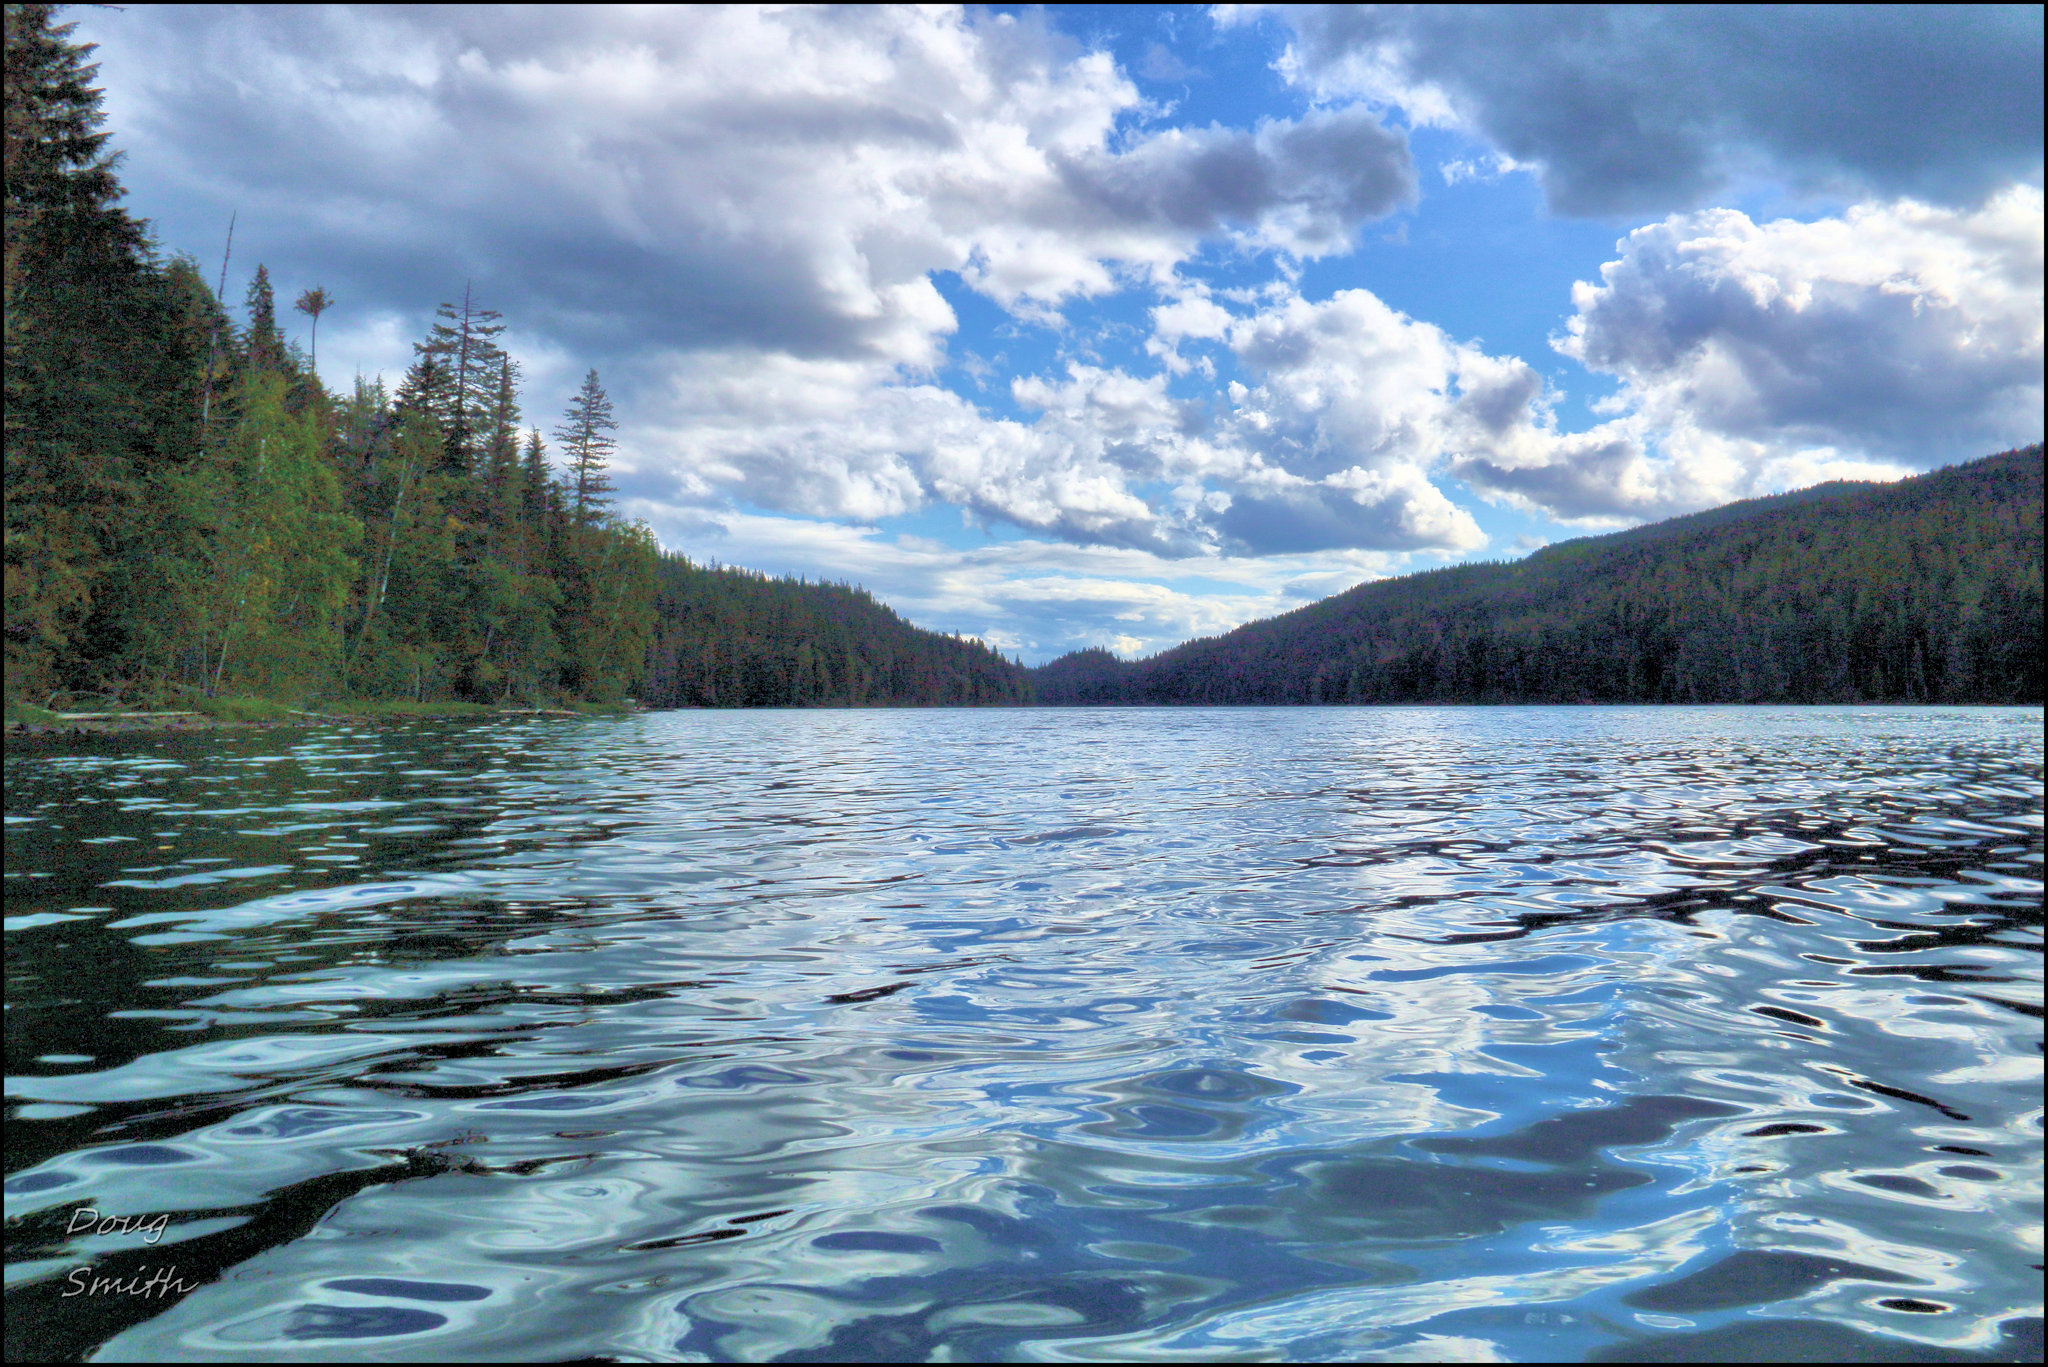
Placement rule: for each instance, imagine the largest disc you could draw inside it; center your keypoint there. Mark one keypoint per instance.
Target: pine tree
(265, 342)
(583, 437)
(534, 485)
(101, 389)
(428, 389)
(465, 341)
(502, 471)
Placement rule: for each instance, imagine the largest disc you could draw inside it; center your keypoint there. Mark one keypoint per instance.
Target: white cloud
(1484, 169)
(1039, 597)
(1356, 404)
(849, 439)
(1887, 330)
(737, 215)
(1649, 108)
(709, 177)
(1760, 357)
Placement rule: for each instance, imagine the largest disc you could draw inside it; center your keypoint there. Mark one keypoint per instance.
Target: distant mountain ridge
(726, 637)
(1926, 590)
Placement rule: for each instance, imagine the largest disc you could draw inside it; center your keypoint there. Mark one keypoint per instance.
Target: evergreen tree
(503, 472)
(265, 345)
(584, 438)
(428, 389)
(101, 388)
(465, 341)
(534, 485)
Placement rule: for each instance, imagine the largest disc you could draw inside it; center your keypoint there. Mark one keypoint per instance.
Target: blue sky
(1096, 325)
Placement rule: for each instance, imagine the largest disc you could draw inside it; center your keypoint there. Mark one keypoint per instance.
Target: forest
(1927, 590)
(726, 637)
(192, 514)
(189, 511)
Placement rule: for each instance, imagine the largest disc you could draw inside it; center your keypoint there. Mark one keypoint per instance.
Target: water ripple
(1490, 1034)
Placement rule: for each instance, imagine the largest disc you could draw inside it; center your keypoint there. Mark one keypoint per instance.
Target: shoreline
(67, 725)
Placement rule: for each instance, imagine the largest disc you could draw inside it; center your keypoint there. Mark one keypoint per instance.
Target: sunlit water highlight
(1515, 1033)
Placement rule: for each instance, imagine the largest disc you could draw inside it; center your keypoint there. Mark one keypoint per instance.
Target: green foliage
(267, 561)
(100, 379)
(586, 441)
(732, 638)
(1928, 590)
(189, 511)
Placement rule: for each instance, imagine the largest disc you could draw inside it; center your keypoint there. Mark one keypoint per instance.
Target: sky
(1118, 326)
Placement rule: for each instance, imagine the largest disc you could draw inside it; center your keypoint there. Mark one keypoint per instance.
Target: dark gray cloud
(1318, 517)
(1633, 108)
(1498, 396)
(1588, 479)
(1331, 172)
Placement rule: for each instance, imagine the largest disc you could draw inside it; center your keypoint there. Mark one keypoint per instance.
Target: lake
(1401, 1034)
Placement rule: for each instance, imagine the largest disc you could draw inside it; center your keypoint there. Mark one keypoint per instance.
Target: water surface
(1315, 1034)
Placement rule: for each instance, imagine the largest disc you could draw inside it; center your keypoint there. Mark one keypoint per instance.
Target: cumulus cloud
(1037, 597)
(1751, 358)
(1355, 404)
(1900, 330)
(1758, 357)
(839, 439)
(698, 177)
(1639, 108)
(738, 213)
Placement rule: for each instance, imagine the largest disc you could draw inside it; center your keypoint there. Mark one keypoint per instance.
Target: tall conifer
(584, 439)
(465, 340)
(266, 343)
(101, 389)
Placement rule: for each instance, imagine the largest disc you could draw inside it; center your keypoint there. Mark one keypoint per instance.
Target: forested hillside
(189, 511)
(731, 638)
(1928, 590)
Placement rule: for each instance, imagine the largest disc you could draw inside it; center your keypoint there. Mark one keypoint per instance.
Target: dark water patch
(1754, 1277)
(1574, 1137)
(876, 1241)
(314, 1322)
(868, 994)
(398, 1288)
(1818, 1341)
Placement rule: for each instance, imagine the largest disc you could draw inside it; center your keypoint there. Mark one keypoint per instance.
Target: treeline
(727, 637)
(1928, 590)
(189, 509)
